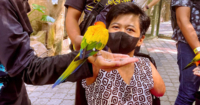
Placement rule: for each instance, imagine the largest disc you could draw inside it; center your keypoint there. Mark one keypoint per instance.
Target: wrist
(78, 39)
(197, 50)
(91, 59)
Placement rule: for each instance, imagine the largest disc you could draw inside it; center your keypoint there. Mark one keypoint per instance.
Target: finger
(125, 59)
(196, 73)
(114, 64)
(109, 64)
(195, 69)
(120, 56)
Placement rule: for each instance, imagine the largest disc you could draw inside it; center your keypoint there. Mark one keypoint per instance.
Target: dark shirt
(88, 5)
(19, 61)
(194, 18)
(15, 50)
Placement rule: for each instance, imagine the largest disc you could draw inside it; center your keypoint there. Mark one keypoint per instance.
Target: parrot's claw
(99, 54)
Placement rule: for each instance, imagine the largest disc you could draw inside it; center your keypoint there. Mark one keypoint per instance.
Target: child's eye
(130, 30)
(116, 27)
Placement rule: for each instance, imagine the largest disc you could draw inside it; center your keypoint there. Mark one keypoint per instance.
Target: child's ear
(141, 40)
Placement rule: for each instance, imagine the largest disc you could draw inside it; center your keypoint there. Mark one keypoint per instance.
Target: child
(131, 84)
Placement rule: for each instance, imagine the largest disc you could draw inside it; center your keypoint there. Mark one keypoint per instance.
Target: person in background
(143, 4)
(185, 20)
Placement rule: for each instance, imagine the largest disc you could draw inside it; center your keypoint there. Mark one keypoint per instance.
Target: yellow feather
(196, 58)
(97, 33)
(195, 61)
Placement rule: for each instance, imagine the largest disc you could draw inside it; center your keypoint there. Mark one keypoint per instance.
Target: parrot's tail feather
(79, 66)
(81, 54)
(57, 82)
(189, 65)
(67, 72)
(77, 58)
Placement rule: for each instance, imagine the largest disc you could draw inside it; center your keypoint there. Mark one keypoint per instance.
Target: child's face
(127, 23)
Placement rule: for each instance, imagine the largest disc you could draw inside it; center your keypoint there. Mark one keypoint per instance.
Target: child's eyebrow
(115, 23)
(127, 25)
(132, 26)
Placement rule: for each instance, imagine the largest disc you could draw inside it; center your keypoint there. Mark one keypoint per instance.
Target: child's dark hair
(129, 8)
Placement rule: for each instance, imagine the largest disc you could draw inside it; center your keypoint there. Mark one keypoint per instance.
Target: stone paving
(162, 50)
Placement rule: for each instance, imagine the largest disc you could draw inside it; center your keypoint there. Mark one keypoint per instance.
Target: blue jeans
(189, 83)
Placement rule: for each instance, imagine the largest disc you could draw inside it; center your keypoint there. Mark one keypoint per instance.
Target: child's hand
(109, 61)
(196, 71)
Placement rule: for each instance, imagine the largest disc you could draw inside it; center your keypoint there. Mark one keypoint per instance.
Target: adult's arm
(151, 4)
(15, 51)
(42, 71)
(159, 85)
(74, 11)
(47, 70)
(187, 29)
(72, 26)
(18, 58)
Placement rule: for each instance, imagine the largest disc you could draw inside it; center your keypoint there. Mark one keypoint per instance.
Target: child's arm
(91, 80)
(159, 85)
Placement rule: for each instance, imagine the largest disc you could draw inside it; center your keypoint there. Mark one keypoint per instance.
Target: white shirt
(110, 88)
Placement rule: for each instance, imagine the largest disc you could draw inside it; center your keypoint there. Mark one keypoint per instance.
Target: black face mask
(120, 42)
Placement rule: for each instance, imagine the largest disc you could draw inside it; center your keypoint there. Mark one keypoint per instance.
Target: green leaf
(39, 8)
(46, 18)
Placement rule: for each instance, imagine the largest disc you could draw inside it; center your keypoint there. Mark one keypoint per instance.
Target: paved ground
(162, 50)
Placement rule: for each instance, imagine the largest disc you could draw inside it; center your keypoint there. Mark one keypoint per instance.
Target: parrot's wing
(84, 45)
(89, 42)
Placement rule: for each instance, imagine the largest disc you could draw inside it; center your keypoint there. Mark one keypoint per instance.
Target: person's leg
(188, 86)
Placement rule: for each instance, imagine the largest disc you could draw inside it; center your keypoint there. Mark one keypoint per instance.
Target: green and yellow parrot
(195, 60)
(94, 39)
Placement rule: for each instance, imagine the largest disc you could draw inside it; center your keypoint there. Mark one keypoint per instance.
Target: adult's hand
(196, 71)
(109, 61)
